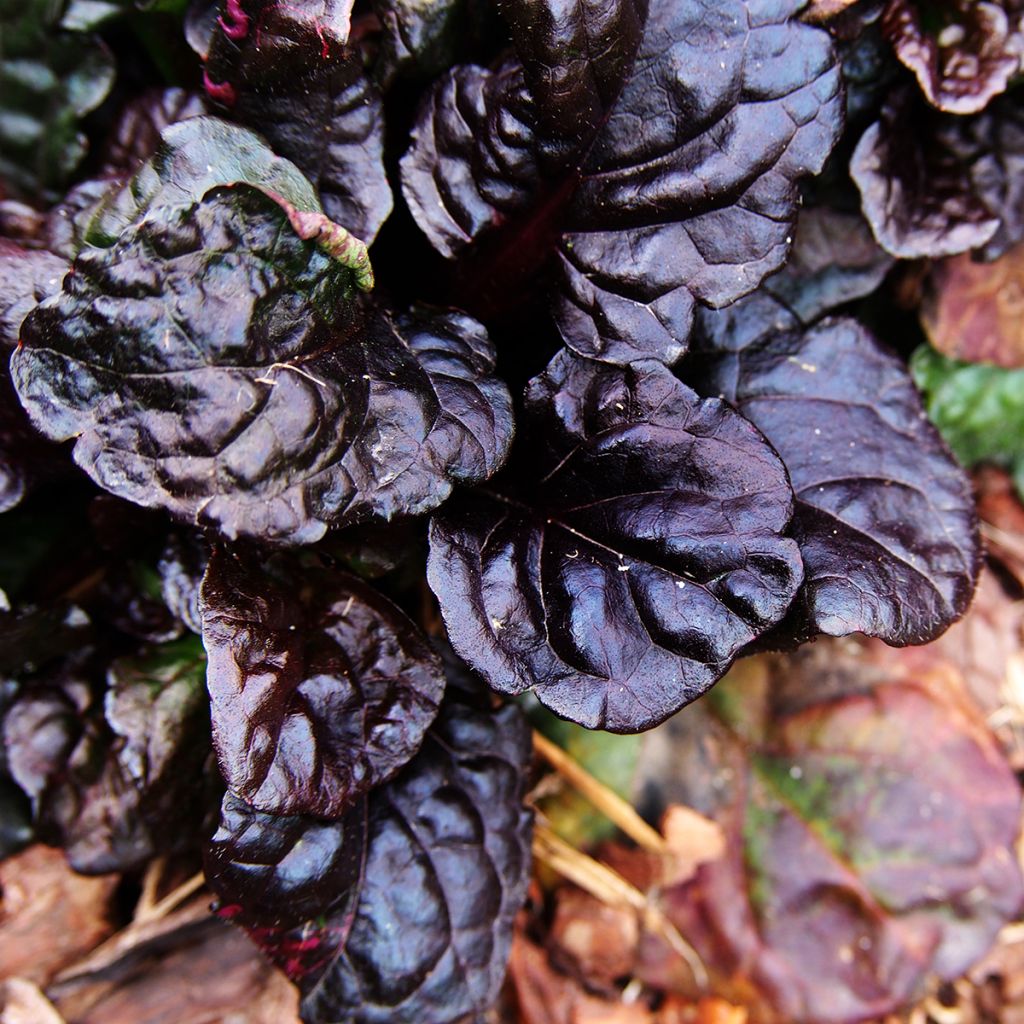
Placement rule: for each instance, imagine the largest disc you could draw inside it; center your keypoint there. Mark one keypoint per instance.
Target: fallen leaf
(823, 10)
(49, 916)
(692, 840)
(598, 940)
(212, 974)
(974, 311)
(870, 820)
(546, 996)
(718, 1011)
(24, 1003)
(1002, 517)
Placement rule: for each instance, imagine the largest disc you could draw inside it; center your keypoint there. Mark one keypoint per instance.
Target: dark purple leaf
(835, 259)
(114, 768)
(26, 277)
(421, 38)
(30, 636)
(181, 567)
(884, 515)
(282, 870)
(632, 550)
(136, 135)
(285, 70)
(870, 827)
(215, 364)
(963, 52)
(321, 689)
(425, 934)
(130, 597)
(936, 184)
(736, 102)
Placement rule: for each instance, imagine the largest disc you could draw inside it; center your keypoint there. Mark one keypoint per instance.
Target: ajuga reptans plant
(560, 319)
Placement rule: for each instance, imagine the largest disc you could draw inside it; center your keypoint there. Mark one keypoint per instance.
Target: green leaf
(978, 408)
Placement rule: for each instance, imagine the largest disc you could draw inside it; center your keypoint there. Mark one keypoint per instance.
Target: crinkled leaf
(633, 549)
(321, 689)
(195, 156)
(884, 516)
(978, 409)
(283, 870)
(114, 773)
(737, 102)
(285, 70)
(935, 184)
(425, 935)
(422, 37)
(215, 364)
(963, 52)
(26, 277)
(137, 134)
(871, 829)
(973, 312)
(49, 80)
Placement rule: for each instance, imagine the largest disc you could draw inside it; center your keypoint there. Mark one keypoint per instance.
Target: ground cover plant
(384, 378)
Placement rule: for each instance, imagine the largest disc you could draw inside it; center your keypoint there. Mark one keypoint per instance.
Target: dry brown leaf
(24, 1003)
(1002, 517)
(214, 975)
(546, 996)
(975, 311)
(49, 916)
(718, 1011)
(692, 840)
(598, 940)
(824, 10)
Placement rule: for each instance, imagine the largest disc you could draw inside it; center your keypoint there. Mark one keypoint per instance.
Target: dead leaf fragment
(599, 940)
(975, 311)
(546, 996)
(692, 840)
(49, 916)
(24, 1003)
(213, 975)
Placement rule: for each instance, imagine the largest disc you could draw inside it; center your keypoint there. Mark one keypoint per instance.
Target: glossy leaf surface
(884, 516)
(215, 364)
(425, 933)
(282, 870)
(870, 827)
(320, 688)
(697, 207)
(634, 547)
(286, 71)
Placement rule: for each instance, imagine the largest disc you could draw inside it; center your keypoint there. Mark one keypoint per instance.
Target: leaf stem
(609, 803)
